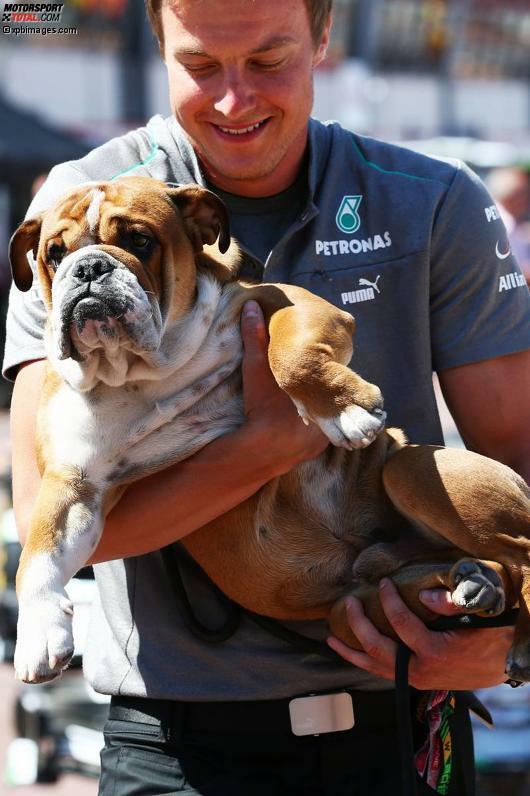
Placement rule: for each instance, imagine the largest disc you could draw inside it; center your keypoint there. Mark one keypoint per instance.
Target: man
(354, 220)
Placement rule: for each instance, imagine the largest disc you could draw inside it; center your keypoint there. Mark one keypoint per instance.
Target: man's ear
(322, 49)
(25, 239)
(204, 215)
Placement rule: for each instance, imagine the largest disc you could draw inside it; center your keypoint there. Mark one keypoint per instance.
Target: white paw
(45, 643)
(355, 427)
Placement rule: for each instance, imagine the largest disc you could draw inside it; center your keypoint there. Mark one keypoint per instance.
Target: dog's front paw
(45, 643)
(354, 427)
(477, 588)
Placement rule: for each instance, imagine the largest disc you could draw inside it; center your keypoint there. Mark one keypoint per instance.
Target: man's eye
(56, 253)
(268, 65)
(199, 70)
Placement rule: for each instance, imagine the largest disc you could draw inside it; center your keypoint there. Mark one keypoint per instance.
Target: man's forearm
(489, 402)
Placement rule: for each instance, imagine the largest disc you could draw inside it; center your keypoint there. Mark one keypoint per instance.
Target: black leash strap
(403, 712)
(171, 557)
(409, 785)
(473, 621)
(302, 643)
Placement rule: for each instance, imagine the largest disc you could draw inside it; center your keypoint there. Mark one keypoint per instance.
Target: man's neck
(279, 179)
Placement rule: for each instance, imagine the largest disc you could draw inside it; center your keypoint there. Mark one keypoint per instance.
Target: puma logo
(371, 284)
(366, 293)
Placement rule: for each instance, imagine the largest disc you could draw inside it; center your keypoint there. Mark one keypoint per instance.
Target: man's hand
(270, 412)
(456, 659)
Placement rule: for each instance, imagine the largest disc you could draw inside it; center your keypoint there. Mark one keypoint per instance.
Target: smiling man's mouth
(241, 131)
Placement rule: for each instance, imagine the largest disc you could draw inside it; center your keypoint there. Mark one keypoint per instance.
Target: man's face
(241, 86)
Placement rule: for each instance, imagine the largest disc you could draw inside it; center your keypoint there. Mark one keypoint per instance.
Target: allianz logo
(366, 292)
(353, 246)
(510, 281)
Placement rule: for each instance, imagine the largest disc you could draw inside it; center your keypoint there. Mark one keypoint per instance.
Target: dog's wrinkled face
(116, 260)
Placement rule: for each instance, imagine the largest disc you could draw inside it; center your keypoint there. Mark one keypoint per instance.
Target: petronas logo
(347, 217)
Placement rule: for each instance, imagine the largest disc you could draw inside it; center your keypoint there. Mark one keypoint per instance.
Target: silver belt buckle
(320, 713)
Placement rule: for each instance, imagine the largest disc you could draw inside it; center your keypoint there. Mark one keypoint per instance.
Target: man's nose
(236, 96)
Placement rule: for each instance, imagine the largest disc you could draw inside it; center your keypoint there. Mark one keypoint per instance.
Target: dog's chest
(119, 433)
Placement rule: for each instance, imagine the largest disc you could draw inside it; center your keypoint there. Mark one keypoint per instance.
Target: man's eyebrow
(270, 44)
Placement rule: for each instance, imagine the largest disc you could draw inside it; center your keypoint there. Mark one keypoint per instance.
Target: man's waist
(371, 709)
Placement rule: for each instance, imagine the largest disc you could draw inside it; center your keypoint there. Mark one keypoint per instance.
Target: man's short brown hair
(318, 12)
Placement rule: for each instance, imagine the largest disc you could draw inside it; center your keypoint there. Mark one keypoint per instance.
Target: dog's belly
(295, 543)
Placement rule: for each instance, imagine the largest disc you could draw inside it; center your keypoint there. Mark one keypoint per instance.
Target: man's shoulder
(109, 160)
(158, 149)
(384, 158)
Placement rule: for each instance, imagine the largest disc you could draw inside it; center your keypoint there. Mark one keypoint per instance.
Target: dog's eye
(56, 253)
(140, 240)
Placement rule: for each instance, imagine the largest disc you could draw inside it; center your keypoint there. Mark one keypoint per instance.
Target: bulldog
(143, 369)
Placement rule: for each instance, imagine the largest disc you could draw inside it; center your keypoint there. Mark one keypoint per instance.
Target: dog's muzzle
(95, 303)
(92, 268)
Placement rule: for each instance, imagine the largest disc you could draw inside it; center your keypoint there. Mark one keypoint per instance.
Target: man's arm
(489, 401)
(167, 506)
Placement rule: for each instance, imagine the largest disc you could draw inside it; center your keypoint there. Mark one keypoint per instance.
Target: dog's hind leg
(477, 504)
(481, 587)
(65, 529)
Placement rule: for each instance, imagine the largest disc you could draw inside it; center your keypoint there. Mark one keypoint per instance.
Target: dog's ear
(25, 239)
(204, 214)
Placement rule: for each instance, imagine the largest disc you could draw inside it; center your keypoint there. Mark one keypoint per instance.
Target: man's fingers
(374, 643)
(407, 625)
(253, 330)
(258, 380)
(357, 658)
(439, 601)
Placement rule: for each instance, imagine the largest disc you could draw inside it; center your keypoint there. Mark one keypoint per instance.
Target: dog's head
(117, 261)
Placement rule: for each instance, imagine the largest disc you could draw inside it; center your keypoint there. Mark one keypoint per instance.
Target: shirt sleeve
(26, 315)
(479, 301)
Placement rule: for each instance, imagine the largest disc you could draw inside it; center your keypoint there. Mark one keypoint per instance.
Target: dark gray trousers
(247, 749)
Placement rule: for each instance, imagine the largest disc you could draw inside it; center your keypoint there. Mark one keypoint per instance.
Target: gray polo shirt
(414, 249)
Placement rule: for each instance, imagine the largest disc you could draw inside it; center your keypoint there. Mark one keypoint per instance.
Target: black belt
(372, 709)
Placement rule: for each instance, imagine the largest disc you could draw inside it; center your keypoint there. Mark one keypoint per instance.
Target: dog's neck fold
(115, 367)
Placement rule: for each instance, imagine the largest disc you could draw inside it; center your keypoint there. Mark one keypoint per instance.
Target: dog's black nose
(90, 269)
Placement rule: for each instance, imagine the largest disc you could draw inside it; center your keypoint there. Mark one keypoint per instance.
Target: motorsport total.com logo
(32, 12)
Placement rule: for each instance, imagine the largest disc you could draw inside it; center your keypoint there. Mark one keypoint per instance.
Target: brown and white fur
(144, 352)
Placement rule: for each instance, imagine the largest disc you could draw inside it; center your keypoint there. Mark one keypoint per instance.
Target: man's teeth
(241, 130)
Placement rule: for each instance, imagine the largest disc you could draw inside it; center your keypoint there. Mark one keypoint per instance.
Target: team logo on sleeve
(492, 213)
(502, 255)
(509, 281)
(347, 218)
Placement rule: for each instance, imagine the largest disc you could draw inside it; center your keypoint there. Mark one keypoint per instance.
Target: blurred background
(446, 77)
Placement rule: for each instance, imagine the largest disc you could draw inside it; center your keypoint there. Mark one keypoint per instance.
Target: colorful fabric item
(434, 759)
